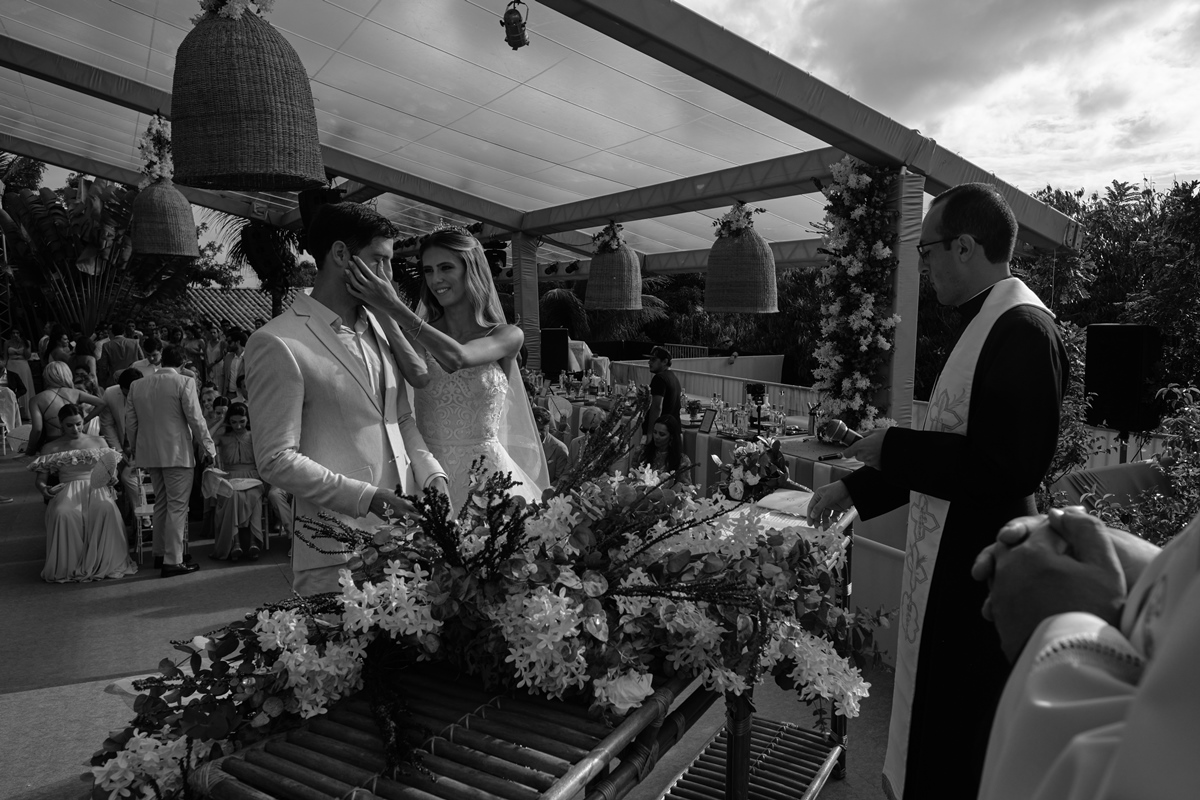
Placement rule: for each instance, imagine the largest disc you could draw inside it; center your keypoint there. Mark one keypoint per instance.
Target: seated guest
(664, 451)
(85, 538)
(590, 418)
(220, 407)
(558, 459)
(240, 508)
(1105, 631)
(152, 347)
(43, 409)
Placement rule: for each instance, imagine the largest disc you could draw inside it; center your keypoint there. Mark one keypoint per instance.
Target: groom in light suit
(327, 397)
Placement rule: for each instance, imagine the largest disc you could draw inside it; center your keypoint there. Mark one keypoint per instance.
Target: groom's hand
(387, 504)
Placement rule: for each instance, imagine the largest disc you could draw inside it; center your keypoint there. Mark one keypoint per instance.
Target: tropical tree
(72, 256)
(562, 306)
(271, 251)
(18, 172)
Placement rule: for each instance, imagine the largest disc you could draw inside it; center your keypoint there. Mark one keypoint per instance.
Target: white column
(525, 294)
(907, 194)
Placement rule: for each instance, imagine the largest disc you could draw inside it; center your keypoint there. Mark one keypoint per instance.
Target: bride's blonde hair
(481, 291)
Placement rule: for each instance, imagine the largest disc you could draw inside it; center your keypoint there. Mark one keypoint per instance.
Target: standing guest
(112, 429)
(558, 459)
(665, 392)
(85, 538)
(214, 356)
(240, 506)
(208, 393)
(13, 382)
(44, 342)
(233, 366)
(83, 358)
(17, 348)
(153, 349)
(162, 421)
(259, 322)
(474, 406)
(59, 346)
(43, 409)
(590, 418)
(149, 330)
(985, 447)
(193, 347)
(664, 451)
(220, 407)
(119, 353)
(335, 428)
(175, 335)
(99, 337)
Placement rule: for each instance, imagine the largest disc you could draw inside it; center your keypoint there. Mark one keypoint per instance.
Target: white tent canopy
(634, 110)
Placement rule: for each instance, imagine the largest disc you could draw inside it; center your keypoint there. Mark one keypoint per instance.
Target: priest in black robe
(980, 458)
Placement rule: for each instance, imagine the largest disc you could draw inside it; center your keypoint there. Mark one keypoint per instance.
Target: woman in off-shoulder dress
(474, 406)
(85, 537)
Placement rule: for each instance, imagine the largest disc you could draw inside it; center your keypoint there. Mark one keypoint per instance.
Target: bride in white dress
(474, 405)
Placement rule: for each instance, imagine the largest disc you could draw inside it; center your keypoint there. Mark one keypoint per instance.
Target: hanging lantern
(162, 222)
(242, 107)
(514, 26)
(741, 267)
(615, 278)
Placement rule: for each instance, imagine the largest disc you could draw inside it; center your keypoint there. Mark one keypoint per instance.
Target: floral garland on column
(856, 289)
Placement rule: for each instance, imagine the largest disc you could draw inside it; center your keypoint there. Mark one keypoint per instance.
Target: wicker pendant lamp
(161, 221)
(615, 278)
(741, 267)
(242, 106)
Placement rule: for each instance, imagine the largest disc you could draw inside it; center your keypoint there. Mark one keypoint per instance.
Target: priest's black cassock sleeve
(989, 476)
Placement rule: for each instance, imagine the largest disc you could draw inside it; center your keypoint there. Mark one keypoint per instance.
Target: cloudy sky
(1071, 93)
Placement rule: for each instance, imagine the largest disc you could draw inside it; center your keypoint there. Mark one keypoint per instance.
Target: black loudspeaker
(1120, 364)
(554, 352)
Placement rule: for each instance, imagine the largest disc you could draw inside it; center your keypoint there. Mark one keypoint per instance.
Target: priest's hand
(869, 449)
(828, 503)
(1063, 566)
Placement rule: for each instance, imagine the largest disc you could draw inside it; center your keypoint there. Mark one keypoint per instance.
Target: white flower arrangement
(609, 239)
(855, 284)
(155, 149)
(232, 9)
(737, 220)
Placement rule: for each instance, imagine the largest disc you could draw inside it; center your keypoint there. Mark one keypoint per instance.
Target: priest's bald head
(967, 240)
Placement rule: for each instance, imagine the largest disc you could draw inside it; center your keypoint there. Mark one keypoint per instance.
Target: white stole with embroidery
(949, 404)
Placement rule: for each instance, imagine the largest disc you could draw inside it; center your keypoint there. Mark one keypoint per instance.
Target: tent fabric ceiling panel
(613, 95)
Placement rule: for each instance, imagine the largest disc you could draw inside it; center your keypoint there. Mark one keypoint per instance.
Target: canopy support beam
(683, 39)
(228, 202)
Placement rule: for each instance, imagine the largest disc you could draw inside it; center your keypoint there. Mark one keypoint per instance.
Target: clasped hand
(1049, 564)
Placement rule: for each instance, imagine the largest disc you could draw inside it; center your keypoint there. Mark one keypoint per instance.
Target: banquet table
(802, 454)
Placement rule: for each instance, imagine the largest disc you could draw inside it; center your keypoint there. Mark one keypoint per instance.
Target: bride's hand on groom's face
(368, 286)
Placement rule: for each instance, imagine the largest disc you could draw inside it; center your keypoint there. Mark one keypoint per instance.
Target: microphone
(837, 432)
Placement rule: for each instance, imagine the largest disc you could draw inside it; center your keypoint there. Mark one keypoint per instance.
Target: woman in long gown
(474, 406)
(46, 404)
(85, 537)
(18, 362)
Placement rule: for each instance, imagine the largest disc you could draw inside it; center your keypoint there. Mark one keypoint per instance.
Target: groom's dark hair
(352, 223)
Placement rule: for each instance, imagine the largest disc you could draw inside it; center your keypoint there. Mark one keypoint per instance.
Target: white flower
(624, 691)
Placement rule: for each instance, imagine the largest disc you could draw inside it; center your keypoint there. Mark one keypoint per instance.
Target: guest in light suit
(162, 420)
(332, 421)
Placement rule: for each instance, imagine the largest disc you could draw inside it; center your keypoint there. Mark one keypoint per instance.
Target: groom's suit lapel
(333, 344)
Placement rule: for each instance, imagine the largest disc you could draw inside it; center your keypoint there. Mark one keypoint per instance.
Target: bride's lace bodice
(461, 407)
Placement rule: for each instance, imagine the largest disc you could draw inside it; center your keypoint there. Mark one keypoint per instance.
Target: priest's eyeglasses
(923, 247)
